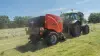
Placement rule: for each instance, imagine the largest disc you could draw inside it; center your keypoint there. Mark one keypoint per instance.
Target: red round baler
(48, 27)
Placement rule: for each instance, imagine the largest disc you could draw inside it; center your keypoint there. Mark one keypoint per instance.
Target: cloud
(53, 10)
(82, 2)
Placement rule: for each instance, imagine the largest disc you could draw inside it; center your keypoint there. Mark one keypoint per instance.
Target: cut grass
(11, 33)
(12, 43)
(85, 45)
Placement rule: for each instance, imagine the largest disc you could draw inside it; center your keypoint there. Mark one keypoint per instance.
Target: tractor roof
(73, 12)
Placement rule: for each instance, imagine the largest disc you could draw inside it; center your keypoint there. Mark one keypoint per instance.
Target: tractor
(74, 24)
(48, 27)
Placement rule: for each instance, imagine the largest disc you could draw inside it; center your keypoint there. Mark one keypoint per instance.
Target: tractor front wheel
(85, 29)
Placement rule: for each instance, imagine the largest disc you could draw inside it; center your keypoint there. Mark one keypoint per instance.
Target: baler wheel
(51, 38)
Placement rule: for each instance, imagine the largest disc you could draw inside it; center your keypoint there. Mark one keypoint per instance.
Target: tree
(21, 21)
(12, 24)
(94, 18)
(4, 21)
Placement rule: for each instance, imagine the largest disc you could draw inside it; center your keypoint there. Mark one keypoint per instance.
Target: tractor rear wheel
(76, 30)
(51, 38)
(85, 29)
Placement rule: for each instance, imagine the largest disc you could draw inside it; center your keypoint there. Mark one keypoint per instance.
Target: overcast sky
(41, 7)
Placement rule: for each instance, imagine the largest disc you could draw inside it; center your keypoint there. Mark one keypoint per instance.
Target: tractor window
(70, 16)
(67, 17)
(74, 17)
(77, 17)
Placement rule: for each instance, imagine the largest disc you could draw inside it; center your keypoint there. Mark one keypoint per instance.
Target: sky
(34, 8)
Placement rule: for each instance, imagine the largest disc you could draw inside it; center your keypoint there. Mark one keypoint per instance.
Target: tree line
(18, 21)
(22, 21)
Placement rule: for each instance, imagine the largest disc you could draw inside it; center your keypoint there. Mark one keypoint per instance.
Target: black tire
(34, 39)
(75, 30)
(63, 38)
(85, 29)
(51, 38)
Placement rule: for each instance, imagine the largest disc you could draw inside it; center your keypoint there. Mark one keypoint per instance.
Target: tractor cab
(72, 17)
(74, 23)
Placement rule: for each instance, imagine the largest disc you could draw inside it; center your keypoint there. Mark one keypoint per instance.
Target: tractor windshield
(72, 16)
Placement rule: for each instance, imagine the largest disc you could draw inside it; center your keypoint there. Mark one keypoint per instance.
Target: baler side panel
(51, 22)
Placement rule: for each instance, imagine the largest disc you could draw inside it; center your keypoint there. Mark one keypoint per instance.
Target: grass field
(14, 42)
